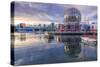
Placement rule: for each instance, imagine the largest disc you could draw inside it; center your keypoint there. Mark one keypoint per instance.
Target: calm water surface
(54, 49)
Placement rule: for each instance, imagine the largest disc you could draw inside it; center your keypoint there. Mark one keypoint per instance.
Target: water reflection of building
(72, 19)
(72, 45)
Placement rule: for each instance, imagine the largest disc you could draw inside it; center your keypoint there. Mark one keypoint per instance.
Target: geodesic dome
(72, 15)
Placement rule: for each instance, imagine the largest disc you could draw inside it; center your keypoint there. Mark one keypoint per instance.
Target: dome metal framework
(72, 19)
(72, 15)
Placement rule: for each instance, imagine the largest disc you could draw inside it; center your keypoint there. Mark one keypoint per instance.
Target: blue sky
(52, 12)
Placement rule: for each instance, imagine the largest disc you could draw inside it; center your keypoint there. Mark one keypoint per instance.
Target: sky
(46, 13)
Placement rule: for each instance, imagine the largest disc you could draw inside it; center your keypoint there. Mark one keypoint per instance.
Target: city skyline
(44, 33)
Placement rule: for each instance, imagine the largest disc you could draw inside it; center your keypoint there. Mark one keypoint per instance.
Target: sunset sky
(45, 13)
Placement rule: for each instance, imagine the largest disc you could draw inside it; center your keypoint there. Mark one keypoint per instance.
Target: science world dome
(72, 15)
(72, 19)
